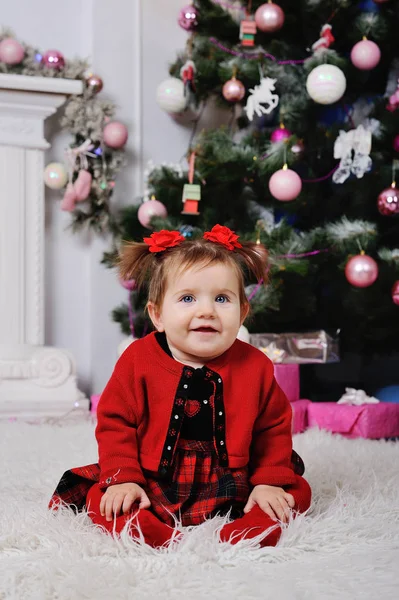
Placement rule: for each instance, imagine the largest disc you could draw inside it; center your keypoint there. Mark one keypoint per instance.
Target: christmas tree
(306, 166)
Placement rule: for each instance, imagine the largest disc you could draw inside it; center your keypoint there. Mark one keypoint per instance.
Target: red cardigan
(137, 407)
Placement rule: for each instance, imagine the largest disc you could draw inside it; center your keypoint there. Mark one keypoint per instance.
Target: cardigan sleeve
(116, 435)
(271, 448)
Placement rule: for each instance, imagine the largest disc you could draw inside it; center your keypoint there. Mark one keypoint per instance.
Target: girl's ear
(244, 312)
(155, 316)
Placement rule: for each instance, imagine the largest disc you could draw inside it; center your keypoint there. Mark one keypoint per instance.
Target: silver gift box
(297, 348)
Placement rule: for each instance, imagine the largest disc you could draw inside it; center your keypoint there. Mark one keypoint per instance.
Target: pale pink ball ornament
(269, 17)
(188, 18)
(55, 176)
(11, 52)
(53, 59)
(285, 185)
(149, 209)
(233, 90)
(115, 134)
(361, 270)
(365, 55)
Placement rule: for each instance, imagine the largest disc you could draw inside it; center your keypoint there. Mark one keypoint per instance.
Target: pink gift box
(373, 421)
(94, 403)
(300, 415)
(287, 377)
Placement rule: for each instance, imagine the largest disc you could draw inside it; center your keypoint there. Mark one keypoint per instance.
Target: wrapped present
(94, 400)
(300, 415)
(373, 421)
(299, 348)
(287, 377)
(247, 32)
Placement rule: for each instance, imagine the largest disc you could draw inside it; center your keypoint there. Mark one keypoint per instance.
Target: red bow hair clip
(161, 240)
(223, 235)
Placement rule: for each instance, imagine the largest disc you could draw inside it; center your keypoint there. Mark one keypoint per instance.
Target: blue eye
(187, 299)
(222, 299)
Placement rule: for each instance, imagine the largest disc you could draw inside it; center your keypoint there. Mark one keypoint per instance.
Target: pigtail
(255, 258)
(136, 262)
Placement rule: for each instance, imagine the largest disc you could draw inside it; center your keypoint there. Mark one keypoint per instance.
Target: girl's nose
(205, 309)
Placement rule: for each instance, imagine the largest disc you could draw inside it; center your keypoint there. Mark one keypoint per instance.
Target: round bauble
(115, 134)
(170, 95)
(269, 17)
(326, 84)
(128, 284)
(395, 293)
(150, 209)
(280, 134)
(188, 18)
(361, 270)
(365, 55)
(53, 59)
(388, 201)
(11, 52)
(233, 90)
(94, 83)
(298, 148)
(55, 176)
(285, 185)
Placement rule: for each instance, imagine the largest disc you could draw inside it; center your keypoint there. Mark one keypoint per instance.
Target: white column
(34, 380)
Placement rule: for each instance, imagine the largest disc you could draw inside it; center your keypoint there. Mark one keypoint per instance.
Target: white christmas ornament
(353, 148)
(243, 334)
(55, 176)
(125, 344)
(260, 95)
(326, 84)
(170, 95)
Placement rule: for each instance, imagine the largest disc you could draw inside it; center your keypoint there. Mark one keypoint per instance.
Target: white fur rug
(347, 547)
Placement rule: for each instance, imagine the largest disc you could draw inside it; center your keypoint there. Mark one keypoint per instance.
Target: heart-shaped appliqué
(192, 408)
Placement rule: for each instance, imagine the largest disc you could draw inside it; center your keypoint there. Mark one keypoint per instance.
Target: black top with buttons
(198, 411)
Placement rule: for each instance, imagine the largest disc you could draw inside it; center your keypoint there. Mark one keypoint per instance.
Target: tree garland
(96, 154)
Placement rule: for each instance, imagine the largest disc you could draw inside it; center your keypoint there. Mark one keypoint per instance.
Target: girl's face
(200, 313)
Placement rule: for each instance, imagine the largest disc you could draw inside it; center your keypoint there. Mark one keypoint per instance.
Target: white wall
(129, 44)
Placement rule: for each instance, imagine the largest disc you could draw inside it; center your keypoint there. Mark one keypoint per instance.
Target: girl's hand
(120, 498)
(274, 501)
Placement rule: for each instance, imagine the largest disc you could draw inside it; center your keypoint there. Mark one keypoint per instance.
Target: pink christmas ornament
(269, 17)
(150, 209)
(395, 293)
(55, 176)
(365, 55)
(280, 134)
(285, 185)
(69, 199)
(95, 83)
(11, 52)
(388, 201)
(115, 134)
(53, 59)
(128, 284)
(188, 18)
(83, 185)
(361, 270)
(396, 143)
(233, 90)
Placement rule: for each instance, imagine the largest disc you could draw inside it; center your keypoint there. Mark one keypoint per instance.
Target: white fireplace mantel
(34, 380)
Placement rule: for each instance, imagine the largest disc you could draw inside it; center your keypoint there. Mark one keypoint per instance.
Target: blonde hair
(136, 262)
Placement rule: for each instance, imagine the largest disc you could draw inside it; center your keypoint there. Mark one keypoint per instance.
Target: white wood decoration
(35, 380)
